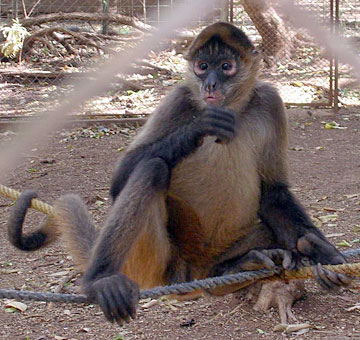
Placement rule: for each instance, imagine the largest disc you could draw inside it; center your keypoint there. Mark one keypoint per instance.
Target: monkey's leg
(148, 259)
(133, 241)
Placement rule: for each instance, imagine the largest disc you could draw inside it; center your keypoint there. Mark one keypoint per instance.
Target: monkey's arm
(293, 230)
(279, 209)
(173, 133)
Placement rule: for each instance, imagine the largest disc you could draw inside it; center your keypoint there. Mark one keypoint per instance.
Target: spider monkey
(201, 191)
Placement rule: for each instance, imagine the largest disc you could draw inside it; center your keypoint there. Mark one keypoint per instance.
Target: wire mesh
(349, 27)
(303, 72)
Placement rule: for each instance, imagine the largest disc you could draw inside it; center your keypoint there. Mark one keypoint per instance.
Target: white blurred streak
(49, 121)
(335, 44)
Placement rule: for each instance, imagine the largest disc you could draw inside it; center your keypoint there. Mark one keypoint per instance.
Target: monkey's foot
(276, 294)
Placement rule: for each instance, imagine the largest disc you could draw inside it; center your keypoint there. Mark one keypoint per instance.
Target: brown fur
(190, 188)
(213, 196)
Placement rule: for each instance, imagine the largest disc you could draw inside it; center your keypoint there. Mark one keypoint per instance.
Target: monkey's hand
(320, 251)
(293, 230)
(256, 259)
(117, 296)
(219, 122)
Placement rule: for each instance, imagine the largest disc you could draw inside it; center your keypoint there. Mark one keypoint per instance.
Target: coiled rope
(350, 269)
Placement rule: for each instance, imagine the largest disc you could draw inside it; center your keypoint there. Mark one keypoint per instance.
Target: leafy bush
(15, 36)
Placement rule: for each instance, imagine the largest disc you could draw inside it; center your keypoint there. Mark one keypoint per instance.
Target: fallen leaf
(334, 235)
(280, 327)
(291, 327)
(330, 209)
(343, 243)
(85, 330)
(150, 304)
(297, 327)
(352, 195)
(334, 125)
(9, 271)
(328, 218)
(19, 306)
(356, 307)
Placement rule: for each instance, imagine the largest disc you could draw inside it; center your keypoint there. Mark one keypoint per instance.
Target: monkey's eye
(229, 67)
(226, 66)
(200, 67)
(203, 66)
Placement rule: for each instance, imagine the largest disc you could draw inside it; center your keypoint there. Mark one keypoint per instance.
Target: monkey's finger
(219, 113)
(104, 305)
(121, 306)
(132, 294)
(255, 260)
(225, 118)
(117, 304)
(223, 133)
(289, 260)
(219, 124)
(321, 275)
(281, 256)
(318, 278)
(344, 279)
(337, 279)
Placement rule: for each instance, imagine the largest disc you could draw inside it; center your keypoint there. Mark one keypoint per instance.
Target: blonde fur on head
(229, 34)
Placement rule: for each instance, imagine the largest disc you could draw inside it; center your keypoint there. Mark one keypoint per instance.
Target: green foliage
(15, 36)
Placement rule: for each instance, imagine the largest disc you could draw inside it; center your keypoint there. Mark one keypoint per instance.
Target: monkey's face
(214, 75)
(215, 65)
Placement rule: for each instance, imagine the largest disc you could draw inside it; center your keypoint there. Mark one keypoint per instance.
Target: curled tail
(35, 240)
(71, 220)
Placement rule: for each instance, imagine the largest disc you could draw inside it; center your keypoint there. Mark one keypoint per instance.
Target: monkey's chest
(219, 185)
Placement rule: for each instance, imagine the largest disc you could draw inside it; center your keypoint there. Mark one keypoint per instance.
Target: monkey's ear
(228, 33)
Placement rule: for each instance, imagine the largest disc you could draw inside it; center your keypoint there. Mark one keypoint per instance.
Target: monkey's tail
(71, 220)
(33, 241)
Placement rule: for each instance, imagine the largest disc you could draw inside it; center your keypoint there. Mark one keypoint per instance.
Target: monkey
(202, 190)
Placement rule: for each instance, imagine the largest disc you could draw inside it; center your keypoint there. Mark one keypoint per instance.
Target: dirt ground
(325, 172)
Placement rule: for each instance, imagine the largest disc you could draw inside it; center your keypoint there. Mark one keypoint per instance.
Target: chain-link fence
(64, 39)
(348, 15)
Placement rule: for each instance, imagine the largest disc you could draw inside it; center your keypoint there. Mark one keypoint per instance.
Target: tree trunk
(276, 39)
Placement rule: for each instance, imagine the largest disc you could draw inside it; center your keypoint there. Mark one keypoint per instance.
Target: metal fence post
(336, 62)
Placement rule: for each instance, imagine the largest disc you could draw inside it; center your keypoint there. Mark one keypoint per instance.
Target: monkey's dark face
(215, 65)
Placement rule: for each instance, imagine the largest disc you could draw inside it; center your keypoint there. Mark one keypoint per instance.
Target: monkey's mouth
(214, 100)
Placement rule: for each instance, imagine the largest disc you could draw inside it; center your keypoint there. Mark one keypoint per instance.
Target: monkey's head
(223, 63)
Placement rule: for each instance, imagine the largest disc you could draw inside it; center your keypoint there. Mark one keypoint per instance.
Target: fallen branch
(88, 17)
(38, 34)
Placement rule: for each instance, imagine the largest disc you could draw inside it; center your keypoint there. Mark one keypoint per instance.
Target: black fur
(288, 221)
(30, 242)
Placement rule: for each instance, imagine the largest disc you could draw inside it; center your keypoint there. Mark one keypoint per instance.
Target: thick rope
(350, 269)
(35, 203)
